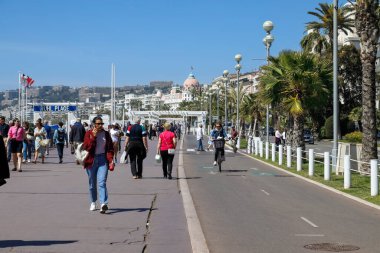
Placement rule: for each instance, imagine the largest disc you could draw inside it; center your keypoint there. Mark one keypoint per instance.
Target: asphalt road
(251, 207)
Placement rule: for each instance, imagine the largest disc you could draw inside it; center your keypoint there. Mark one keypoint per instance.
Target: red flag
(29, 81)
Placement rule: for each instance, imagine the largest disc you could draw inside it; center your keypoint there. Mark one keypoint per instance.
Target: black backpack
(61, 135)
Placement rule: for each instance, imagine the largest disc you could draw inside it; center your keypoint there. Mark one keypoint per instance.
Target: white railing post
(347, 172)
(280, 154)
(311, 162)
(327, 172)
(374, 178)
(299, 158)
(288, 156)
(266, 150)
(273, 152)
(261, 148)
(249, 145)
(256, 146)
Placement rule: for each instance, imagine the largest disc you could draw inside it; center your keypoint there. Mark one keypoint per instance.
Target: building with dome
(191, 82)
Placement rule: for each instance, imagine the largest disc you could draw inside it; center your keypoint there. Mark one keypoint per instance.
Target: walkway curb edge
(317, 183)
(197, 238)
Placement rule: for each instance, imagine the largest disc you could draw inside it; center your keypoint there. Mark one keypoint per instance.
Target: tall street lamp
(225, 79)
(335, 86)
(268, 39)
(238, 58)
(217, 101)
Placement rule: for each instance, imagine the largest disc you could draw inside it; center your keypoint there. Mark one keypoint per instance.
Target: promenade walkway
(45, 208)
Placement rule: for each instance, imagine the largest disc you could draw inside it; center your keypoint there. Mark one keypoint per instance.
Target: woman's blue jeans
(97, 179)
(27, 150)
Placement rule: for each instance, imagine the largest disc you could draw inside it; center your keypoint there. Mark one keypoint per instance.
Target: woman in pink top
(166, 142)
(16, 137)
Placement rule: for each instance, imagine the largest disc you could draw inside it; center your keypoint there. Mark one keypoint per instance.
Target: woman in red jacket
(99, 160)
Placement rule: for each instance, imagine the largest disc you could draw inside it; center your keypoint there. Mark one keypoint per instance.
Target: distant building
(161, 84)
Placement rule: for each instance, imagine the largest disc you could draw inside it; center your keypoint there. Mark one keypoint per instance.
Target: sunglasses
(99, 124)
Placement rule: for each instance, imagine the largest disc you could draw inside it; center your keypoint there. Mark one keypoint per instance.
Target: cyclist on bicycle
(218, 133)
(234, 137)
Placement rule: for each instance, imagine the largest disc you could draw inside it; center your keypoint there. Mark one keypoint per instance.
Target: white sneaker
(28, 160)
(214, 163)
(93, 206)
(23, 161)
(103, 208)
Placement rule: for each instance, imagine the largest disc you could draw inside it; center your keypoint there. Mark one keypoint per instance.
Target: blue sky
(74, 42)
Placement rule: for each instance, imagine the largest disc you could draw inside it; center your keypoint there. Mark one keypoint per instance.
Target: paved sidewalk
(45, 209)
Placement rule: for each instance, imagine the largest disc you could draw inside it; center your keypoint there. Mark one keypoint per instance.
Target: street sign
(54, 108)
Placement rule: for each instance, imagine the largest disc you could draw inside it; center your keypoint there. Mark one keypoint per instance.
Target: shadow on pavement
(20, 243)
(121, 210)
(176, 178)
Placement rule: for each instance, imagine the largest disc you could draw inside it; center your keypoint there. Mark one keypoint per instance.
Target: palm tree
(233, 92)
(253, 108)
(367, 26)
(296, 81)
(324, 26)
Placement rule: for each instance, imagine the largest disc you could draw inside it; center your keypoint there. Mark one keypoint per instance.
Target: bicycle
(219, 146)
(233, 144)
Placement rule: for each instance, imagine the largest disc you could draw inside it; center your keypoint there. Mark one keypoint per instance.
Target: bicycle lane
(252, 207)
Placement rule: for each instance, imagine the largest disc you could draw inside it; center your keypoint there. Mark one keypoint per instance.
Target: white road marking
(254, 169)
(212, 173)
(267, 193)
(228, 151)
(309, 222)
(190, 150)
(197, 238)
(310, 235)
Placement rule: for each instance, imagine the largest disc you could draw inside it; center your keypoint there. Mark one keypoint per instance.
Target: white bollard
(273, 152)
(280, 155)
(256, 147)
(266, 150)
(261, 148)
(288, 156)
(299, 159)
(327, 166)
(347, 172)
(374, 178)
(311, 162)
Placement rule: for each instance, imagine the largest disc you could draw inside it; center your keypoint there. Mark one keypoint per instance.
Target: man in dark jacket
(136, 145)
(77, 134)
(4, 168)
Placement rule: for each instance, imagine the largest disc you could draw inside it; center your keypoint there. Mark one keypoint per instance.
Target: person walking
(11, 123)
(166, 148)
(284, 136)
(59, 138)
(4, 168)
(4, 129)
(98, 144)
(115, 134)
(48, 135)
(77, 134)
(200, 137)
(16, 138)
(136, 145)
(28, 142)
(39, 135)
(278, 137)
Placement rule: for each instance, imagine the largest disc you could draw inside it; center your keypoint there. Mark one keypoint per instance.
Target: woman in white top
(39, 135)
(115, 133)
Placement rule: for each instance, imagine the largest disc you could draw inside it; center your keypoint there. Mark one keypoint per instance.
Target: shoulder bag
(171, 151)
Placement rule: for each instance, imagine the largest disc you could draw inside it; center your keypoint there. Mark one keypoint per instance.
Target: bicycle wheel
(220, 161)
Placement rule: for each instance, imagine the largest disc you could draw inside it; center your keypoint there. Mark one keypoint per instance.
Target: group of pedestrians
(102, 151)
(102, 147)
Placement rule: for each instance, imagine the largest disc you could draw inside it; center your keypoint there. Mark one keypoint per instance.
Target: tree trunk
(298, 127)
(366, 23)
